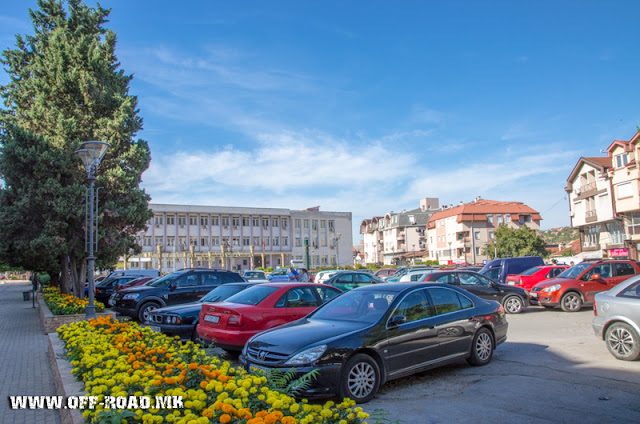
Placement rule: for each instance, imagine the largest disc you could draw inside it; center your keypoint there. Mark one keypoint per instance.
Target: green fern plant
(285, 381)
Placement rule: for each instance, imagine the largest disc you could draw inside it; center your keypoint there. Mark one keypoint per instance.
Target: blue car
(279, 275)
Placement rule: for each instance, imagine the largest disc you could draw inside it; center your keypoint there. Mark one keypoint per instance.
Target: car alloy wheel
(360, 378)
(571, 302)
(622, 342)
(513, 305)
(145, 311)
(482, 348)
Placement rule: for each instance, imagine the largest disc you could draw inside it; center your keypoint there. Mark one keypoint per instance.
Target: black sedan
(373, 334)
(181, 320)
(514, 299)
(348, 280)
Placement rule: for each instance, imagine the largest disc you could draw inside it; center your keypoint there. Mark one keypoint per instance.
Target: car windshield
(492, 273)
(221, 293)
(281, 271)
(575, 271)
(167, 279)
(531, 271)
(357, 305)
(252, 295)
(254, 275)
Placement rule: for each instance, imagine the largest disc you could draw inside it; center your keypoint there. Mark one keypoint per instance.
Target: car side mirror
(595, 277)
(397, 320)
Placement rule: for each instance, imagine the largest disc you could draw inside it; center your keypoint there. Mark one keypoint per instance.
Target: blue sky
(369, 106)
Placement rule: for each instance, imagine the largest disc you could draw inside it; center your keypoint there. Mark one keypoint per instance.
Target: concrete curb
(51, 322)
(65, 383)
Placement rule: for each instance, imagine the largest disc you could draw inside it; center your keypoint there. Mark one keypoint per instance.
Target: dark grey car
(617, 319)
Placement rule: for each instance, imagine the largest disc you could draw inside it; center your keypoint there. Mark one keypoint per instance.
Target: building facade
(240, 238)
(461, 234)
(396, 237)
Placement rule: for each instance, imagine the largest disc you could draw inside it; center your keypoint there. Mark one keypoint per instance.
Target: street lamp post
(413, 254)
(336, 239)
(495, 248)
(450, 253)
(91, 153)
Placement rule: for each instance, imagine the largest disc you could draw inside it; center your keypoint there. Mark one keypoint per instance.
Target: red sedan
(231, 323)
(533, 276)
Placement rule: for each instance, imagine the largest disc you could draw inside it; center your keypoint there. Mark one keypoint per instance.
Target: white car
(322, 276)
(414, 276)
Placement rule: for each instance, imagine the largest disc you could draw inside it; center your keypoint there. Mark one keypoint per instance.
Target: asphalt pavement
(552, 369)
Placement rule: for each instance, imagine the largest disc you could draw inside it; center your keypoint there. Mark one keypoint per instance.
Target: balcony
(586, 190)
(590, 216)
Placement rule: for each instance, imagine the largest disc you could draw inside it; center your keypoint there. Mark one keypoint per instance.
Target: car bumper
(598, 328)
(325, 385)
(124, 311)
(546, 299)
(185, 332)
(229, 340)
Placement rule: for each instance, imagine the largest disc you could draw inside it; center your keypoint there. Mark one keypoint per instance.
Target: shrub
(64, 304)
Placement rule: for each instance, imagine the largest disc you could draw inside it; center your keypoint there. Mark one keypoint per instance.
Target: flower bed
(115, 358)
(64, 304)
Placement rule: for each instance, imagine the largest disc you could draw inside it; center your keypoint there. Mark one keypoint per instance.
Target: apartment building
(395, 238)
(239, 238)
(604, 201)
(460, 234)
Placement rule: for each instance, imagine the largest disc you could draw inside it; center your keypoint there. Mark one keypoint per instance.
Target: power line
(555, 204)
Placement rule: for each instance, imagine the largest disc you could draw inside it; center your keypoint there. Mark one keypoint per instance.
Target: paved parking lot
(552, 369)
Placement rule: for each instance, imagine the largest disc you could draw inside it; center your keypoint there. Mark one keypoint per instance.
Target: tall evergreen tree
(66, 88)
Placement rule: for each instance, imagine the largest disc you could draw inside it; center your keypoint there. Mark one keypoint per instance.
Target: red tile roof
(601, 160)
(477, 211)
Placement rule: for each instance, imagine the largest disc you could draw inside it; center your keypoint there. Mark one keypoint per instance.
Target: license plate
(214, 319)
(256, 368)
(155, 328)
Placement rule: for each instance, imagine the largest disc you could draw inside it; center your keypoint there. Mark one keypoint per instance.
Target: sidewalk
(24, 366)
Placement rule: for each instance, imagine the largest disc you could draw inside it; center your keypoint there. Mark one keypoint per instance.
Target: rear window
(531, 271)
(252, 295)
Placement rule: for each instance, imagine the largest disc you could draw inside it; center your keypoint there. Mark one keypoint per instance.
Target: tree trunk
(77, 282)
(82, 278)
(64, 274)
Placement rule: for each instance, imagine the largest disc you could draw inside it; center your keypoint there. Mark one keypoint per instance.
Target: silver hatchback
(617, 319)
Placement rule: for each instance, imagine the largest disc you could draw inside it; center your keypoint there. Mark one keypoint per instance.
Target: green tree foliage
(560, 235)
(66, 88)
(516, 242)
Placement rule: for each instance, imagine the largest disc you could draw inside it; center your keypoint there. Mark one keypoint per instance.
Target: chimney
(461, 202)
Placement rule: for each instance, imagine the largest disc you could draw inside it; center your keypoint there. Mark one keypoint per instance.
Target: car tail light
(235, 321)
(595, 308)
(97, 290)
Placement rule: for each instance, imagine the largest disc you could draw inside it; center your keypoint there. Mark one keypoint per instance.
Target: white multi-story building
(183, 236)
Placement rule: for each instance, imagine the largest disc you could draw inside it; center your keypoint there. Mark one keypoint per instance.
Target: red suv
(532, 276)
(578, 285)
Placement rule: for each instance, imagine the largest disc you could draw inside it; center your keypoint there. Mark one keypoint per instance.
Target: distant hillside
(559, 235)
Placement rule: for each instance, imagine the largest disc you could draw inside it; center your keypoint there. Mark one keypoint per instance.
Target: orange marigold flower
(227, 409)
(203, 385)
(208, 413)
(288, 420)
(225, 418)
(170, 380)
(193, 366)
(261, 414)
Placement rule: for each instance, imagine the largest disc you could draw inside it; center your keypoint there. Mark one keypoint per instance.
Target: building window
(204, 241)
(323, 242)
(204, 221)
(147, 241)
(182, 220)
(490, 219)
(245, 221)
(171, 241)
(297, 223)
(158, 220)
(285, 224)
(276, 241)
(236, 221)
(592, 236)
(621, 160)
(507, 218)
(193, 220)
(245, 241)
(490, 235)
(499, 219)
(306, 223)
(266, 241)
(299, 242)
(171, 220)
(215, 241)
(323, 224)
(476, 235)
(615, 232)
(274, 222)
(215, 221)
(236, 241)
(625, 190)
(265, 222)
(477, 251)
(193, 241)
(633, 223)
(225, 221)
(182, 243)
(331, 226)
(314, 224)
(285, 241)
(256, 222)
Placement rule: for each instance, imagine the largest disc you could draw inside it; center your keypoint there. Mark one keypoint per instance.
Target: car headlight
(132, 296)
(307, 356)
(553, 288)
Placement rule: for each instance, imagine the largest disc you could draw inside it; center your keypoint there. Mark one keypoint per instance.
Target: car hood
(290, 338)
(552, 281)
(184, 309)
